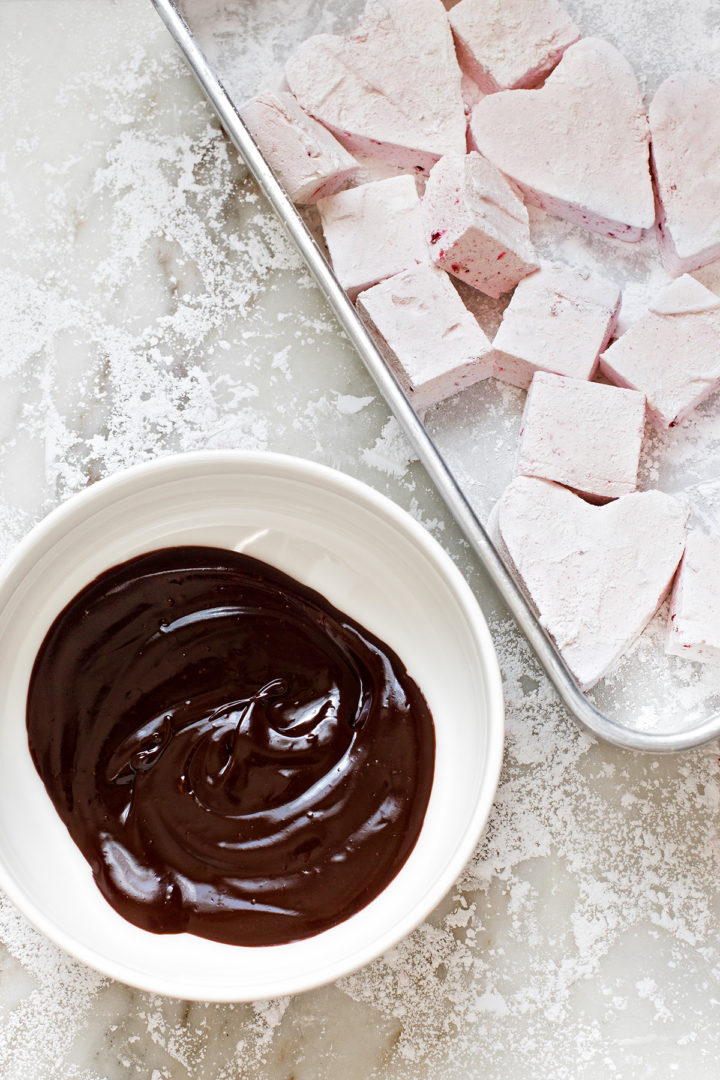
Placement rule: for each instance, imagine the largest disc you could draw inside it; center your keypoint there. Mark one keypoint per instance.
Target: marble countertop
(151, 304)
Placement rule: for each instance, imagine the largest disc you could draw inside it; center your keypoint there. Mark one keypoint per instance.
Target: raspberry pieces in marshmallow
(595, 574)
(506, 44)
(694, 623)
(432, 342)
(306, 158)
(685, 125)
(373, 231)
(557, 320)
(475, 224)
(577, 147)
(581, 434)
(671, 354)
(392, 90)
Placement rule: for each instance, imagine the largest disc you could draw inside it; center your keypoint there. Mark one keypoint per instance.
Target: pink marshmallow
(694, 623)
(307, 160)
(671, 354)
(558, 320)
(373, 231)
(583, 435)
(577, 147)
(596, 575)
(430, 339)
(392, 90)
(475, 224)
(685, 125)
(471, 94)
(507, 44)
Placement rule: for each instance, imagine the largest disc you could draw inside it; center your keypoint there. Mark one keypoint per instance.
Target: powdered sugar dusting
(529, 963)
(38, 1031)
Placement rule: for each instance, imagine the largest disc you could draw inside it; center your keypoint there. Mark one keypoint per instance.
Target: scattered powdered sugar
(39, 1028)
(536, 927)
(563, 949)
(391, 453)
(151, 304)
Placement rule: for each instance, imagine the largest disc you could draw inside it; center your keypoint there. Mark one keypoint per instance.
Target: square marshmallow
(430, 339)
(583, 435)
(694, 623)
(305, 157)
(685, 125)
(671, 354)
(558, 320)
(508, 44)
(373, 231)
(476, 225)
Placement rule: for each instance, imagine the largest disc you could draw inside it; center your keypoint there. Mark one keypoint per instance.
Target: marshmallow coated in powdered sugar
(475, 224)
(308, 161)
(694, 622)
(672, 353)
(685, 126)
(471, 94)
(583, 435)
(373, 231)
(431, 340)
(558, 320)
(577, 147)
(596, 575)
(507, 44)
(392, 90)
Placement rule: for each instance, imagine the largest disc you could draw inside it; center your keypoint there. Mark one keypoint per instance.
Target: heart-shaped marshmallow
(578, 147)
(390, 91)
(685, 125)
(595, 574)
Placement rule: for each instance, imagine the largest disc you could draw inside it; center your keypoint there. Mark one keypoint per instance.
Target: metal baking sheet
(237, 48)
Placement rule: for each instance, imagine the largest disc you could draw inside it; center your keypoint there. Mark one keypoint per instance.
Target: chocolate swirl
(233, 756)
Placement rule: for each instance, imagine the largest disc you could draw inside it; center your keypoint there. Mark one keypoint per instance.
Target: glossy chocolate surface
(233, 756)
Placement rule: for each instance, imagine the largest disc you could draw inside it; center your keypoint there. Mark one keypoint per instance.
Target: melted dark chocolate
(233, 756)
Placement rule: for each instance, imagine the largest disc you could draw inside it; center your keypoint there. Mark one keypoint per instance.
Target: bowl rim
(53, 526)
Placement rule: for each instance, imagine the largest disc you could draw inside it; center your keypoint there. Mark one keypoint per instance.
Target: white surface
(150, 304)
(372, 562)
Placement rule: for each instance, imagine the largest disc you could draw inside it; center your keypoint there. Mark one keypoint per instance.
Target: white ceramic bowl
(368, 558)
